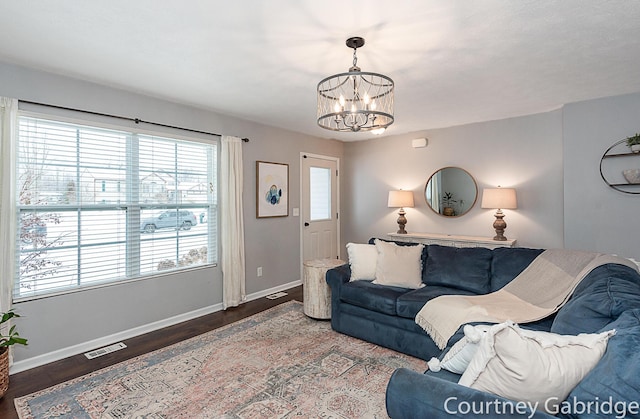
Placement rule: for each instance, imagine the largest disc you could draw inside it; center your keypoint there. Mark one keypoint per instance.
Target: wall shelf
(452, 240)
(608, 156)
(607, 175)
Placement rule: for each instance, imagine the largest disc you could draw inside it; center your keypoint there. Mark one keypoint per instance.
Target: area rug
(276, 364)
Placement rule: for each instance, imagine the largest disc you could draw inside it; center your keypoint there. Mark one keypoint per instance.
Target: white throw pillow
(362, 259)
(399, 266)
(535, 367)
(457, 359)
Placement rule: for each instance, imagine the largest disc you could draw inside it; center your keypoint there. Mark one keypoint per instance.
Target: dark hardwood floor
(57, 372)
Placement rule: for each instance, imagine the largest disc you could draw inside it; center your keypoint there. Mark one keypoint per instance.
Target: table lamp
(401, 199)
(499, 198)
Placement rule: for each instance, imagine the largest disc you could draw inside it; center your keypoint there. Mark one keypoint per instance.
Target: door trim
(338, 209)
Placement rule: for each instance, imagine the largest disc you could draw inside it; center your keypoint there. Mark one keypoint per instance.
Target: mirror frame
(475, 198)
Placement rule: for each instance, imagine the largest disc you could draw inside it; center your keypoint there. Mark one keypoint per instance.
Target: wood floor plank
(66, 369)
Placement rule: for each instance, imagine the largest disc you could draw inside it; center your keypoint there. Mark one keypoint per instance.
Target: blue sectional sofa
(607, 298)
(385, 315)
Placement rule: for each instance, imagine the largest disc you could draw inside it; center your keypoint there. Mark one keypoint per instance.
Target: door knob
(306, 224)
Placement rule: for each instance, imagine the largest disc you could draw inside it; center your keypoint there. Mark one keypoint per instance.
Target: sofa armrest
(414, 395)
(339, 275)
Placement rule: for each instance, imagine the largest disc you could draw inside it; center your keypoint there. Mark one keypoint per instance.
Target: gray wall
(524, 153)
(552, 159)
(596, 216)
(56, 323)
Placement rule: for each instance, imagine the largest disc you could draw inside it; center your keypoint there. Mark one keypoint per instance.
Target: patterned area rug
(276, 364)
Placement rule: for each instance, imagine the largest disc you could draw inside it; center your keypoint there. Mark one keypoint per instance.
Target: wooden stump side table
(316, 291)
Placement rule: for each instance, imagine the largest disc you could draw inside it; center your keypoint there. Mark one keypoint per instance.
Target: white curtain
(8, 127)
(232, 223)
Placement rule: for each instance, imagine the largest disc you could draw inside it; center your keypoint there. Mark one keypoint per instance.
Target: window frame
(212, 206)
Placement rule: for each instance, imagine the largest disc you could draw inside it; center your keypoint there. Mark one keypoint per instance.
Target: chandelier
(356, 100)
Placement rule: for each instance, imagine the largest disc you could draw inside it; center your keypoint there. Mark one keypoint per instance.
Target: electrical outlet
(259, 273)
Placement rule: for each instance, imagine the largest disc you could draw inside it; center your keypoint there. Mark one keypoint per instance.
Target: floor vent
(106, 350)
(276, 295)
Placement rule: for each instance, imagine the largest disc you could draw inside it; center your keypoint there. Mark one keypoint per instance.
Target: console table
(316, 294)
(452, 240)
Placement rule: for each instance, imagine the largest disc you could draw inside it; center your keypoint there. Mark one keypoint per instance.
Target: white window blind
(96, 206)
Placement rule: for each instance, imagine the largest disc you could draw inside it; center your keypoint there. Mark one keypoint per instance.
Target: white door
(320, 232)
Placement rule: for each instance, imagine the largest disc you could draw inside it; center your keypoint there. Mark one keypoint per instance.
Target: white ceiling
(453, 62)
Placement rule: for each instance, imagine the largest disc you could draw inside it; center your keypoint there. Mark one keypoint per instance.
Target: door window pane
(320, 191)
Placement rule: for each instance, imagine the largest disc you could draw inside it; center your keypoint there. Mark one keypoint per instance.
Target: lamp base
(499, 225)
(402, 221)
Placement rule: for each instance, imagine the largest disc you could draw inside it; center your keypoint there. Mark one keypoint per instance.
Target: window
(96, 206)
(320, 187)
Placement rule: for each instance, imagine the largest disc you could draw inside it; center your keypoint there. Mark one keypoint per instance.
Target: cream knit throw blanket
(540, 290)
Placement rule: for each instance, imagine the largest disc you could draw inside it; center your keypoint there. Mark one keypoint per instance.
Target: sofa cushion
(423, 258)
(616, 378)
(362, 260)
(374, 297)
(398, 333)
(399, 266)
(467, 269)
(508, 262)
(537, 367)
(599, 299)
(410, 303)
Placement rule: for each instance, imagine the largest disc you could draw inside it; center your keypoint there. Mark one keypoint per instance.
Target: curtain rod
(125, 118)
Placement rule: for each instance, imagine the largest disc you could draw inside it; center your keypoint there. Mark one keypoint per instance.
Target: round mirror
(451, 192)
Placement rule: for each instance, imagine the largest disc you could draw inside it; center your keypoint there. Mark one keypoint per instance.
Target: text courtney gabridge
(554, 406)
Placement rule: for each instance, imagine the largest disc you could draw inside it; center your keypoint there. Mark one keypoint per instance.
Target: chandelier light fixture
(357, 100)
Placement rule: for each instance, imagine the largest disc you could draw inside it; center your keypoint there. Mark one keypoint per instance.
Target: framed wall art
(272, 189)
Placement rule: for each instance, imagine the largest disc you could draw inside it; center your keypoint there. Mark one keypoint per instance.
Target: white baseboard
(260, 294)
(80, 348)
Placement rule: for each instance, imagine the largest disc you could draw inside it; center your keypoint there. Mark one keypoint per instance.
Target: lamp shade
(400, 199)
(499, 198)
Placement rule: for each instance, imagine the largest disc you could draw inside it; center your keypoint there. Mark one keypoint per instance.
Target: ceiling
(453, 62)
